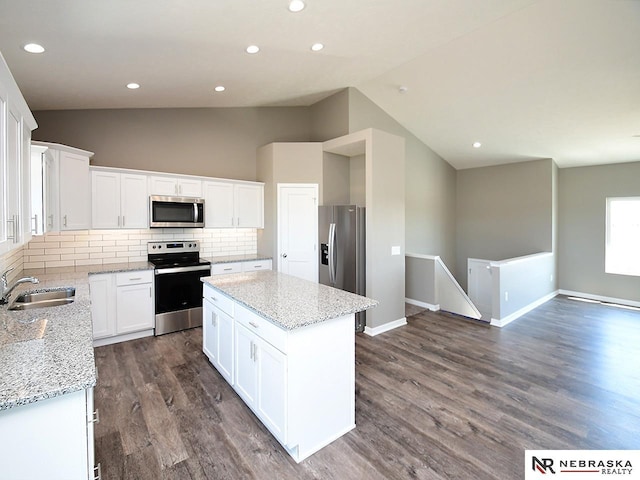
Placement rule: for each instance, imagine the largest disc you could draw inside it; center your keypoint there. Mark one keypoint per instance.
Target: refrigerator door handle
(331, 255)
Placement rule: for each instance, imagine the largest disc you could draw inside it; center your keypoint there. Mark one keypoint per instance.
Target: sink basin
(44, 298)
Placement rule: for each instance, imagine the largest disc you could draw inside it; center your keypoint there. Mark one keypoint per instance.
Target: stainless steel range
(178, 270)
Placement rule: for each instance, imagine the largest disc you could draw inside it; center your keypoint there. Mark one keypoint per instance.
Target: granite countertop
(288, 301)
(237, 258)
(46, 352)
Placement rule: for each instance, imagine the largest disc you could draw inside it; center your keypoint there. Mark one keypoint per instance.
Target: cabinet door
(218, 205)
(249, 209)
(272, 389)
(4, 241)
(189, 188)
(246, 374)
(163, 186)
(225, 345)
(105, 200)
(28, 221)
(51, 188)
(257, 265)
(210, 331)
(12, 179)
(134, 201)
(74, 192)
(134, 308)
(103, 301)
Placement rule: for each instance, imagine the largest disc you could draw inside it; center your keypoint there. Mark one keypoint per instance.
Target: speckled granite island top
(46, 352)
(288, 301)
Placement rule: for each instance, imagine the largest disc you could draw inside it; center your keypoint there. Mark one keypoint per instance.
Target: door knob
(284, 255)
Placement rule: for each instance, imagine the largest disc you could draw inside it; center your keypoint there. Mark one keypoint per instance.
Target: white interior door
(480, 285)
(298, 230)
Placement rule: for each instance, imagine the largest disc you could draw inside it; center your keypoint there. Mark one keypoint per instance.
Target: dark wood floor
(440, 398)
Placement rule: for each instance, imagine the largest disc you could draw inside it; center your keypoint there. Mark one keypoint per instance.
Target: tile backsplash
(13, 259)
(97, 247)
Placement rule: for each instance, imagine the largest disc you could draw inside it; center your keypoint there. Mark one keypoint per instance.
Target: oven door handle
(197, 268)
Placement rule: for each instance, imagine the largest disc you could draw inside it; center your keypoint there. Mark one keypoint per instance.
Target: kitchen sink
(44, 298)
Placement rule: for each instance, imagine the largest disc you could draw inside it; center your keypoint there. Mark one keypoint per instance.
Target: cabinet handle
(35, 224)
(12, 221)
(50, 223)
(213, 319)
(95, 417)
(214, 299)
(98, 475)
(123, 220)
(133, 279)
(238, 221)
(150, 293)
(64, 221)
(254, 348)
(254, 325)
(227, 269)
(233, 221)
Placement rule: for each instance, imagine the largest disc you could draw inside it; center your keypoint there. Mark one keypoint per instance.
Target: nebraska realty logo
(581, 464)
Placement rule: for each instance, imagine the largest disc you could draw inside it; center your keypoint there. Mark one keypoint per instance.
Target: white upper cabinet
(249, 205)
(67, 199)
(16, 124)
(175, 186)
(233, 204)
(119, 200)
(218, 204)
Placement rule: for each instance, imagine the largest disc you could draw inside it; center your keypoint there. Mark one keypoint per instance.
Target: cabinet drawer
(269, 332)
(256, 265)
(218, 299)
(221, 268)
(133, 278)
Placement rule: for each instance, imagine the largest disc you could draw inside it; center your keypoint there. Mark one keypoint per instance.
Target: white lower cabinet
(122, 306)
(300, 383)
(51, 438)
(218, 330)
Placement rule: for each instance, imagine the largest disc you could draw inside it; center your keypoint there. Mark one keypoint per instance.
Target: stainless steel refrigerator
(342, 250)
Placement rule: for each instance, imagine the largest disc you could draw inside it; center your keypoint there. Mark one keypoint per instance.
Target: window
(622, 254)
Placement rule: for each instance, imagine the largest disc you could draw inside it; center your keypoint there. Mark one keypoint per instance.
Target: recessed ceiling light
(33, 48)
(402, 89)
(133, 86)
(219, 88)
(253, 49)
(296, 5)
(316, 47)
(477, 144)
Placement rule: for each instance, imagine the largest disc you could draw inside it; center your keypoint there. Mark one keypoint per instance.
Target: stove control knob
(153, 247)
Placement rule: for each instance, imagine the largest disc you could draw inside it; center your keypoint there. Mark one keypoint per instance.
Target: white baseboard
(372, 332)
(517, 314)
(418, 303)
(601, 298)
(122, 338)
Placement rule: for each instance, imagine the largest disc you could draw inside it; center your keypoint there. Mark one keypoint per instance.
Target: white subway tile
(91, 261)
(115, 249)
(102, 243)
(58, 251)
(42, 258)
(57, 263)
(33, 265)
(75, 256)
(88, 249)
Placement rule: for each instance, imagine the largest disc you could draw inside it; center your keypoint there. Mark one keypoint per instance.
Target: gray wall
(217, 142)
(430, 189)
(581, 239)
(329, 118)
(503, 212)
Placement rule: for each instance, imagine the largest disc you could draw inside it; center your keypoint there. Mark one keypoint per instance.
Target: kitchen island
(287, 347)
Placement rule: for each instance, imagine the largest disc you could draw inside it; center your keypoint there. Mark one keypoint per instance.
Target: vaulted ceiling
(528, 79)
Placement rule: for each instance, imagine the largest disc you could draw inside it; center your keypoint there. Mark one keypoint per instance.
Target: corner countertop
(47, 352)
(288, 302)
(237, 258)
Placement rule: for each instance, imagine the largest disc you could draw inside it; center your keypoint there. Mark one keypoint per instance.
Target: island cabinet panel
(299, 382)
(217, 344)
(51, 438)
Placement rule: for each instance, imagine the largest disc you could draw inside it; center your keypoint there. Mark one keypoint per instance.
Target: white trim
(510, 261)
(420, 255)
(602, 298)
(122, 338)
(526, 309)
(372, 332)
(418, 303)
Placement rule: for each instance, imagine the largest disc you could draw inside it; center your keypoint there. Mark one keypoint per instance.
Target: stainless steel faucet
(7, 289)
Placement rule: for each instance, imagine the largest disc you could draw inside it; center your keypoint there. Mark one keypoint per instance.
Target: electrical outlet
(506, 296)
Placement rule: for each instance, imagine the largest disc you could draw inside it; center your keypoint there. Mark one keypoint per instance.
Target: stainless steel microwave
(167, 212)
